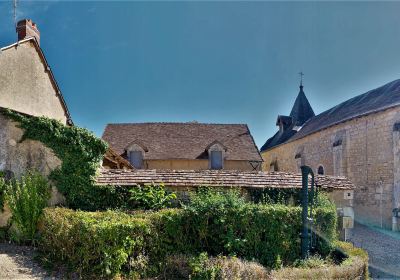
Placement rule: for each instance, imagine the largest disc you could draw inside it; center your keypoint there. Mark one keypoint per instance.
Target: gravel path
(16, 262)
(383, 248)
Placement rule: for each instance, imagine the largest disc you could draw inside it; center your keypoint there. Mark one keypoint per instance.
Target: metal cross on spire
(301, 78)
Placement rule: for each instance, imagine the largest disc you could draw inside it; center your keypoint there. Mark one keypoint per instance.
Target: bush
(94, 243)
(152, 197)
(3, 186)
(354, 265)
(107, 243)
(27, 198)
(223, 223)
(220, 267)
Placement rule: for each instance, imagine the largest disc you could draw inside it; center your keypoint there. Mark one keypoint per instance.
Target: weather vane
(301, 77)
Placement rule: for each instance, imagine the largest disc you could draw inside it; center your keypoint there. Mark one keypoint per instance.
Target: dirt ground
(17, 262)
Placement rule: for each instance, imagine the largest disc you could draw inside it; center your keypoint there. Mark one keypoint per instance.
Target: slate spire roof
(301, 111)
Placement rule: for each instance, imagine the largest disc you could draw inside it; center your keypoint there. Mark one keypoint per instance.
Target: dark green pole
(305, 171)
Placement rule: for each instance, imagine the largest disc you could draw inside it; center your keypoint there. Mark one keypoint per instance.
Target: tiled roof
(379, 99)
(215, 178)
(278, 138)
(183, 140)
(375, 100)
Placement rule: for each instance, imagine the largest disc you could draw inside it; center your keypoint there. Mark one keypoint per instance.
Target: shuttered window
(136, 159)
(216, 159)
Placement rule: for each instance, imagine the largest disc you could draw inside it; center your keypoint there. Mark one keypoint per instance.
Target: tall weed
(27, 197)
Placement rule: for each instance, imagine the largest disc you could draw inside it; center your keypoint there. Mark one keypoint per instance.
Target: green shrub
(353, 266)
(289, 196)
(201, 268)
(223, 223)
(3, 186)
(151, 197)
(94, 243)
(326, 225)
(205, 267)
(27, 198)
(213, 222)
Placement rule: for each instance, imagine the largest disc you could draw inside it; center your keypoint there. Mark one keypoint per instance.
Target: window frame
(216, 147)
(214, 160)
(132, 161)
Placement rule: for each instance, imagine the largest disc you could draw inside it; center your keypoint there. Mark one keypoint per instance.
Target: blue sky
(217, 62)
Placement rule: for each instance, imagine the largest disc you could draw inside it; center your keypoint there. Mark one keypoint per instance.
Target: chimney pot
(26, 29)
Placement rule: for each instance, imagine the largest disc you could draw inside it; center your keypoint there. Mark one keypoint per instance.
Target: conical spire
(301, 111)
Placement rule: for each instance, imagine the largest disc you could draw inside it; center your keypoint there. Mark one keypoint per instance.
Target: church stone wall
(364, 149)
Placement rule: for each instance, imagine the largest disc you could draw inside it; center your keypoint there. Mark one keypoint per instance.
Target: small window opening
(216, 159)
(136, 159)
(320, 170)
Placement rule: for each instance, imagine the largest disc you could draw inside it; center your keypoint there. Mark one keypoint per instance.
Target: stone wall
(25, 83)
(197, 164)
(362, 149)
(16, 158)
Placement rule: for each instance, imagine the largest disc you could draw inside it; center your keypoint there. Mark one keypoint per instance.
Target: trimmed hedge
(94, 243)
(110, 243)
(354, 266)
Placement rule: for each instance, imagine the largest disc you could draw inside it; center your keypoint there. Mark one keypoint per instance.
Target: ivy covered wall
(80, 153)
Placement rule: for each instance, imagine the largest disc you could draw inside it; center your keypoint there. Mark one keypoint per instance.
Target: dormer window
(136, 159)
(216, 160)
(216, 154)
(135, 153)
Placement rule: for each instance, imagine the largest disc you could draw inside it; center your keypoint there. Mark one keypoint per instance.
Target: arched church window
(321, 170)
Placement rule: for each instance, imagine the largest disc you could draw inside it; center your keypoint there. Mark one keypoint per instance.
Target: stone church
(359, 139)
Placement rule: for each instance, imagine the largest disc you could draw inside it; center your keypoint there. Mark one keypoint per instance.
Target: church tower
(302, 110)
(290, 125)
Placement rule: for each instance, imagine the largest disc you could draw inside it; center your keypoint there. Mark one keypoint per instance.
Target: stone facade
(17, 157)
(365, 149)
(26, 83)
(198, 164)
(27, 86)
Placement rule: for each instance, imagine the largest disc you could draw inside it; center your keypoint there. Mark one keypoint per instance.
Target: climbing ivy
(2, 191)
(79, 150)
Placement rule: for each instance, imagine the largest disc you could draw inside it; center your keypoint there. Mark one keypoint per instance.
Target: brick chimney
(27, 28)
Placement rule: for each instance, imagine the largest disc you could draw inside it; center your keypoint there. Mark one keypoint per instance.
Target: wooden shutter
(216, 160)
(136, 159)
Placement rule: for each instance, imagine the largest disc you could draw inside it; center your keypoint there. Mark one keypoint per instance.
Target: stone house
(185, 146)
(359, 139)
(27, 86)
